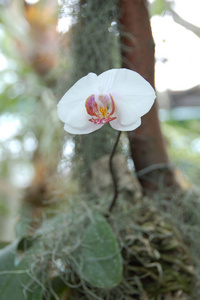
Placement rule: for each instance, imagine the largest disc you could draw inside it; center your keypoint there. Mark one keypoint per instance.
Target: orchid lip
(101, 108)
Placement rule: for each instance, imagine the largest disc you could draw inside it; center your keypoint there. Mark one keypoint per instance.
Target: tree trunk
(148, 149)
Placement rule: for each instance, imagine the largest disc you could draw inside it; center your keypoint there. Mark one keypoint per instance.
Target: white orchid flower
(118, 96)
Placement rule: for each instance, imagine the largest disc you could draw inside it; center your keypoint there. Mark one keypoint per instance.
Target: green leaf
(19, 285)
(7, 260)
(100, 255)
(8, 256)
(14, 279)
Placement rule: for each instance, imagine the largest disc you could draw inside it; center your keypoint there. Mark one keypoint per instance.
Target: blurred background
(39, 40)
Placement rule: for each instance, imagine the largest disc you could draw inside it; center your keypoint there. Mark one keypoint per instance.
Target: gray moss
(94, 48)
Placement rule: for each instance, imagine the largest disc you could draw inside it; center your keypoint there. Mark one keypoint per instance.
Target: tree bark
(148, 149)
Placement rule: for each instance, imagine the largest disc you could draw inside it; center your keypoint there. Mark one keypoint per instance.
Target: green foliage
(7, 260)
(101, 259)
(15, 279)
(184, 146)
(158, 7)
(24, 98)
(19, 284)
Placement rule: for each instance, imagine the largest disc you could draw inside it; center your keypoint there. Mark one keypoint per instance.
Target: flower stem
(113, 173)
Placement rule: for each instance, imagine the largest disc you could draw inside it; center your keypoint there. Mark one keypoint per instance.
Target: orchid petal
(90, 128)
(77, 119)
(116, 125)
(77, 93)
(74, 115)
(130, 87)
(126, 114)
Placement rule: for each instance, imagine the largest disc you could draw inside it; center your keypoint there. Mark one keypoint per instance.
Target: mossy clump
(157, 261)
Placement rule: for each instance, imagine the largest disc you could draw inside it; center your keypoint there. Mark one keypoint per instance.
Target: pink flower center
(101, 108)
